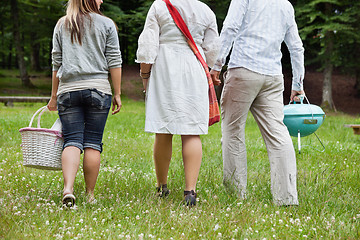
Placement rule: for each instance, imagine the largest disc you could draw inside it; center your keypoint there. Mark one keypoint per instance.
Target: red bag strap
(179, 21)
(214, 115)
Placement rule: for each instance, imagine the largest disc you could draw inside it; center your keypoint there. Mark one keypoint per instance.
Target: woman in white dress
(176, 86)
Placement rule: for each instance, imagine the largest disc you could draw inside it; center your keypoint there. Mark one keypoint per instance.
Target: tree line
(329, 30)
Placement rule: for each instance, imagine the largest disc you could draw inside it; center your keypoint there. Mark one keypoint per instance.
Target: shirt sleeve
(148, 43)
(231, 26)
(211, 42)
(56, 53)
(112, 49)
(295, 46)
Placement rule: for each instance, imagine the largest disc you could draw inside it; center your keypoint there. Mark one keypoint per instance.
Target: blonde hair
(76, 11)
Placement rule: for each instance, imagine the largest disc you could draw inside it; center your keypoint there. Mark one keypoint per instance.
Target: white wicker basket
(41, 147)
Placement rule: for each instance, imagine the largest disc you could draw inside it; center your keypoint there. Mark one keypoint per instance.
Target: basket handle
(42, 109)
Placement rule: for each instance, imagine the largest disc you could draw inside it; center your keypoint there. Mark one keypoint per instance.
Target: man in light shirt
(255, 30)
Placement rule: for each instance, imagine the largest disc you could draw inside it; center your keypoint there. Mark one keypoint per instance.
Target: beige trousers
(245, 90)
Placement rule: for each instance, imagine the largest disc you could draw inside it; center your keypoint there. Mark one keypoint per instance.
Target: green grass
(328, 187)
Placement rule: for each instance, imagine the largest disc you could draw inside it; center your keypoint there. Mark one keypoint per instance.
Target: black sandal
(190, 198)
(68, 200)
(162, 191)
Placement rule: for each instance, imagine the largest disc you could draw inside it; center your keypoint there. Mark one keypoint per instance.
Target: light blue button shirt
(255, 30)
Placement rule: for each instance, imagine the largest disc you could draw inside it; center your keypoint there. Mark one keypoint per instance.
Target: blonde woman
(85, 49)
(176, 86)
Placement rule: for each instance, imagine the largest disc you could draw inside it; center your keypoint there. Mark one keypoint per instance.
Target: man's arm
(231, 26)
(295, 46)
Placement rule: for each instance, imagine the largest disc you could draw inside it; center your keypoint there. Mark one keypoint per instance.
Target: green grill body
(303, 118)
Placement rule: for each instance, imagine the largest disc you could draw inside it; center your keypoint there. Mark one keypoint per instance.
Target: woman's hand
(145, 82)
(52, 105)
(215, 77)
(116, 104)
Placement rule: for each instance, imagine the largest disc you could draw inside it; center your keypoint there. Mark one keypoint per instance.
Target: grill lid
(302, 110)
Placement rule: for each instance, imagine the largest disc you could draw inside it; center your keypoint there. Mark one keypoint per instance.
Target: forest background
(329, 30)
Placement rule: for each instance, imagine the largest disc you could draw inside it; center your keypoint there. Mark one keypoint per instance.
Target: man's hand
(215, 77)
(116, 104)
(293, 96)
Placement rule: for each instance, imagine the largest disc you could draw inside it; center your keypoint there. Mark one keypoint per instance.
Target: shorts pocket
(100, 100)
(64, 101)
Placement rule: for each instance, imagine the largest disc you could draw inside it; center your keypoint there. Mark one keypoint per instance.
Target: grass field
(328, 187)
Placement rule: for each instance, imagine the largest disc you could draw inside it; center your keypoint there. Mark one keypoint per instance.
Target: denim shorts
(83, 116)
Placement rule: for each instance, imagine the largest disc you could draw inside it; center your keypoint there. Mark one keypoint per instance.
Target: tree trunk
(9, 57)
(357, 72)
(35, 55)
(19, 48)
(34, 46)
(3, 55)
(327, 101)
(357, 83)
(125, 44)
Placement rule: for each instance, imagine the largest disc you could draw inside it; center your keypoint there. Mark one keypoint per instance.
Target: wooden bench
(9, 100)
(355, 127)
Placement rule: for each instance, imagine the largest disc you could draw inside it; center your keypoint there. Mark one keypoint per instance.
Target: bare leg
(162, 157)
(91, 166)
(192, 155)
(70, 164)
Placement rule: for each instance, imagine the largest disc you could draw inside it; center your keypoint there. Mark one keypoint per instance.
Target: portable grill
(303, 119)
